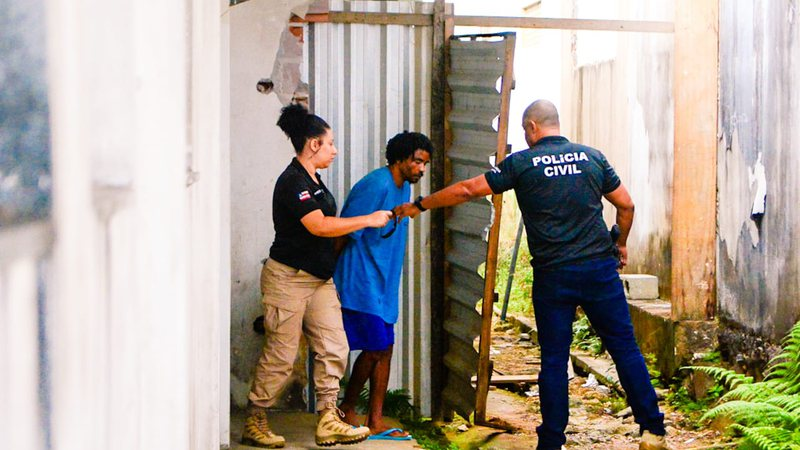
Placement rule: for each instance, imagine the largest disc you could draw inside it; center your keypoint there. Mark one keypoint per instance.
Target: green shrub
(585, 338)
(655, 374)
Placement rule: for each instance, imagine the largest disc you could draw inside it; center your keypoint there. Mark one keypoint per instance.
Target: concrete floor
(298, 429)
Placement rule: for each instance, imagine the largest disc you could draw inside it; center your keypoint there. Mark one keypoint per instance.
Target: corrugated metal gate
(370, 82)
(477, 68)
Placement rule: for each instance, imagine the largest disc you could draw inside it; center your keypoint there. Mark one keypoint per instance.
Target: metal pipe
(512, 269)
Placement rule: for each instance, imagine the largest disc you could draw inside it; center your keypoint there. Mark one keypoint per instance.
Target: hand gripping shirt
(368, 271)
(559, 187)
(297, 194)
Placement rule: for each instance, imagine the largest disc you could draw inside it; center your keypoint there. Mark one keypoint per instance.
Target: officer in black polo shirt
(297, 194)
(298, 293)
(559, 187)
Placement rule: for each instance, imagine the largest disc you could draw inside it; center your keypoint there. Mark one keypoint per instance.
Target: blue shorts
(367, 331)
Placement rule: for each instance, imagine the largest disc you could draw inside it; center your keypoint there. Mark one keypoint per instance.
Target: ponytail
(300, 125)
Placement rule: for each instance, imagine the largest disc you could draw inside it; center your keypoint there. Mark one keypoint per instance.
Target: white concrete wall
(21, 416)
(225, 218)
(259, 151)
(209, 230)
(135, 310)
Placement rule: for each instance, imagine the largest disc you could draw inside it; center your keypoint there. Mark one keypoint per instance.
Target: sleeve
(296, 196)
(502, 177)
(610, 179)
(365, 198)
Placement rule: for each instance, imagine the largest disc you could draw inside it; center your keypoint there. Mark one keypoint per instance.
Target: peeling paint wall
(758, 262)
(619, 100)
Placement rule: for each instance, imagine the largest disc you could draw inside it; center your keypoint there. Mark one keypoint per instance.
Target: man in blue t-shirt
(367, 276)
(560, 187)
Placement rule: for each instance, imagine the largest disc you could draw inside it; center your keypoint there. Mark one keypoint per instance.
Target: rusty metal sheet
(476, 66)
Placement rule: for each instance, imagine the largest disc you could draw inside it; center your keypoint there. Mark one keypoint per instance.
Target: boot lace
(337, 416)
(259, 423)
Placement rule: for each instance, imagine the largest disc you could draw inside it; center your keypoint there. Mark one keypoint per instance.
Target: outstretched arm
(621, 200)
(450, 196)
(321, 225)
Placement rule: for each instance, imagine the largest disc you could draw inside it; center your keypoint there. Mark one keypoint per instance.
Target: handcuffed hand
(406, 210)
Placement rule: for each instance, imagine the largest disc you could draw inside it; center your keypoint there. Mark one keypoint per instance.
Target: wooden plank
(566, 24)
(313, 18)
(484, 365)
(439, 307)
(694, 193)
(375, 18)
(421, 19)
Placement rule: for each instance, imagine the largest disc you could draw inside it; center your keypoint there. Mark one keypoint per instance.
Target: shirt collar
(550, 139)
(296, 164)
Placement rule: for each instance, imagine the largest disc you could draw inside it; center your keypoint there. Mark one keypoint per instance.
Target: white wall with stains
(758, 259)
(619, 100)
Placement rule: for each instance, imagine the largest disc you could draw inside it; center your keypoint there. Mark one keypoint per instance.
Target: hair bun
(294, 120)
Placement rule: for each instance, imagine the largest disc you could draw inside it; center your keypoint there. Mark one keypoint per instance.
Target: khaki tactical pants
(297, 302)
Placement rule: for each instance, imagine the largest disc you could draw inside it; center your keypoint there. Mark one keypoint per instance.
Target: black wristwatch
(418, 204)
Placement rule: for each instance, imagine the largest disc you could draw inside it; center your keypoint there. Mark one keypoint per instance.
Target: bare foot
(350, 416)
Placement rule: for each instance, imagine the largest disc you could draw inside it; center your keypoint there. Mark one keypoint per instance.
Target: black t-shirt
(559, 187)
(297, 194)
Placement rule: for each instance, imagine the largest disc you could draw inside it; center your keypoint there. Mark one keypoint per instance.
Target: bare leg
(362, 371)
(378, 384)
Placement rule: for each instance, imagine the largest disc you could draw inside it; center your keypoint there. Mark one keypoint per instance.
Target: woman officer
(298, 293)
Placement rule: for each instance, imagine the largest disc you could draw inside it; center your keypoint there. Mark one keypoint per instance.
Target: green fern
(726, 377)
(789, 403)
(766, 413)
(750, 413)
(769, 438)
(749, 392)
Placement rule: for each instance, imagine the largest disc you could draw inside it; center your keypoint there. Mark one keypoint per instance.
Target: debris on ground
(599, 417)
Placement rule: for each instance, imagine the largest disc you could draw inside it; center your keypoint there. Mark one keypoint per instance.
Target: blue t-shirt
(368, 272)
(560, 188)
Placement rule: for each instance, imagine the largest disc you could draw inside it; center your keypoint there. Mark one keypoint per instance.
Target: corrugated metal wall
(475, 67)
(370, 82)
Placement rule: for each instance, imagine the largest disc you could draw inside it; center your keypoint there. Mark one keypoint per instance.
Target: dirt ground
(597, 414)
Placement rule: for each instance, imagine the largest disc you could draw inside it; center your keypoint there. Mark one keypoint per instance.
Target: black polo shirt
(559, 187)
(297, 194)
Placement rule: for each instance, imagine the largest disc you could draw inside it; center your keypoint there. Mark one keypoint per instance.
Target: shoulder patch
(303, 196)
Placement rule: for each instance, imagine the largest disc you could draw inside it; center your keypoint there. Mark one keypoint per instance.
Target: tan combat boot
(652, 441)
(257, 433)
(332, 430)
